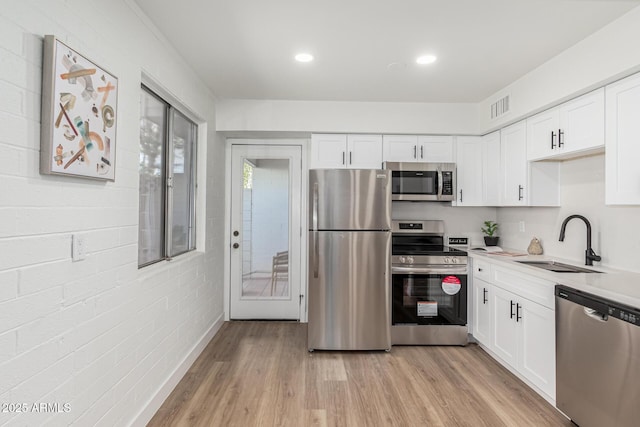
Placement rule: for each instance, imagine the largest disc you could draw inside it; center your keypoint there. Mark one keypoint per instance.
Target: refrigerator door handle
(316, 247)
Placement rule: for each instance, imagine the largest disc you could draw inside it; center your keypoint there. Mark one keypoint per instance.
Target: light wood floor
(260, 374)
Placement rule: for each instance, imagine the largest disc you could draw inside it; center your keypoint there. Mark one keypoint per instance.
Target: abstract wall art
(79, 109)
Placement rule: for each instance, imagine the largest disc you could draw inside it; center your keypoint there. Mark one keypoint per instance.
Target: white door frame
(304, 221)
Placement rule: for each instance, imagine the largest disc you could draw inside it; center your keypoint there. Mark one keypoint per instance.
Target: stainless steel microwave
(418, 182)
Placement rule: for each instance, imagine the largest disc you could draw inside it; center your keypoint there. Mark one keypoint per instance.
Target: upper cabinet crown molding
(572, 129)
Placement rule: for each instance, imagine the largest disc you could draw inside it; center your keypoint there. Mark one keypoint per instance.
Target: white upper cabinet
(338, 151)
(478, 170)
(435, 149)
(364, 151)
(469, 167)
(542, 130)
(491, 169)
(571, 129)
(622, 170)
(413, 148)
(582, 124)
(513, 153)
(525, 183)
(400, 148)
(328, 151)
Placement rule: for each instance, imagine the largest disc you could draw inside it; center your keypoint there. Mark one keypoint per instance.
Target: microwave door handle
(316, 248)
(439, 183)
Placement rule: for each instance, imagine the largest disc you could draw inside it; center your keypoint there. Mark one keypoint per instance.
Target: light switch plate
(78, 247)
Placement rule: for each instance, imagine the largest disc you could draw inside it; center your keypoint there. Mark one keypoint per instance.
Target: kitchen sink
(558, 267)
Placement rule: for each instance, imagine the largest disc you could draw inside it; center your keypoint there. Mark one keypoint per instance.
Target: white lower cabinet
(524, 337)
(482, 325)
(536, 346)
(517, 331)
(505, 328)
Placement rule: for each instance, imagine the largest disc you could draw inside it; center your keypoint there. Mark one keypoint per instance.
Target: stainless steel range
(429, 286)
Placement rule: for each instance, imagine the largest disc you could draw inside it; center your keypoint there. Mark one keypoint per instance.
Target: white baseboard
(515, 372)
(146, 413)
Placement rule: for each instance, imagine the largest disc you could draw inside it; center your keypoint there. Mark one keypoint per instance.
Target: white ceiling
(245, 48)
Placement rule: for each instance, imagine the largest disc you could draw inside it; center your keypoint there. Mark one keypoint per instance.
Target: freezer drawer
(349, 279)
(349, 199)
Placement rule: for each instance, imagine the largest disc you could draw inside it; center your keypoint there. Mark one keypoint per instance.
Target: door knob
(236, 245)
(236, 233)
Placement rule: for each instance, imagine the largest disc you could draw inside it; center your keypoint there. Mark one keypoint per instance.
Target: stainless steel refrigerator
(349, 259)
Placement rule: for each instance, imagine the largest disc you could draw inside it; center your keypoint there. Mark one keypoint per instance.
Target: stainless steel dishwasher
(597, 360)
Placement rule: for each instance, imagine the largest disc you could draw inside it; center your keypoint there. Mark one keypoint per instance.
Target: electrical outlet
(78, 247)
(521, 226)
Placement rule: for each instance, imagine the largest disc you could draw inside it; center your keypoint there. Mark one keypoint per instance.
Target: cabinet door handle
(343, 153)
(518, 316)
(484, 296)
(460, 196)
(415, 151)
(553, 143)
(422, 151)
(511, 310)
(560, 134)
(350, 161)
(520, 196)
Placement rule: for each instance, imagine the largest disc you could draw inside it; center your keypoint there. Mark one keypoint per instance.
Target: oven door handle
(429, 270)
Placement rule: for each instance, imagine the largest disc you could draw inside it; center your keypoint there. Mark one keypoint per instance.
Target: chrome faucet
(590, 255)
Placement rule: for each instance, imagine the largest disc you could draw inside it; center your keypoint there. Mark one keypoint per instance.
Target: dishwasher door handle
(595, 314)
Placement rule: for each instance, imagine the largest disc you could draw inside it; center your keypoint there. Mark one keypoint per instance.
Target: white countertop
(616, 285)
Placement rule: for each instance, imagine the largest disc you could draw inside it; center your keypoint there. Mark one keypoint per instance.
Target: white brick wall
(99, 334)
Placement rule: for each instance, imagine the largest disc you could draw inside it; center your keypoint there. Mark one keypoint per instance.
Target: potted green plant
(489, 229)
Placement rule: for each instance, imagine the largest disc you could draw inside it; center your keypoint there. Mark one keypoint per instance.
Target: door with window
(266, 185)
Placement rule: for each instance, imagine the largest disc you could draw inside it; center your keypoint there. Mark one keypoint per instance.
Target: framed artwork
(79, 110)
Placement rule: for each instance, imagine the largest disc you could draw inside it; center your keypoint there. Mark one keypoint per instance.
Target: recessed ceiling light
(304, 57)
(426, 59)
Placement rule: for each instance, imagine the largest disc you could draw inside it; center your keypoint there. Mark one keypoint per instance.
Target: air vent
(500, 107)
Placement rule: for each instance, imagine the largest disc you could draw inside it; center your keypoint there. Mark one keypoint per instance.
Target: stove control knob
(409, 260)
(447, 260)
(454, 260)
(402, 259)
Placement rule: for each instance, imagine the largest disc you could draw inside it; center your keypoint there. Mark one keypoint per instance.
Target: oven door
(428, 298)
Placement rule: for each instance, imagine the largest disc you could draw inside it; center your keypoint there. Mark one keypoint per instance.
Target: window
(167, 181)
